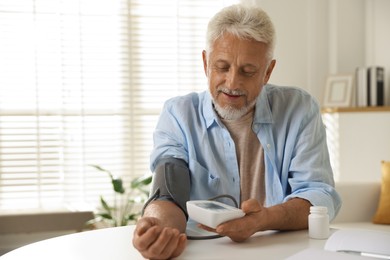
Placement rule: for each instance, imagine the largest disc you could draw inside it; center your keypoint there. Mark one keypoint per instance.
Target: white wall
(302, 46)
(358, 142)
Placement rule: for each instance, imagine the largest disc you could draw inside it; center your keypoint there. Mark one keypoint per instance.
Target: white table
(116, 243)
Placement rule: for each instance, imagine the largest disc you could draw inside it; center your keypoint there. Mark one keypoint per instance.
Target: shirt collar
(262, 111)
(208, 110)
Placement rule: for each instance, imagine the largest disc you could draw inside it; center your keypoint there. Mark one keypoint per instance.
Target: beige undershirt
(250, 157)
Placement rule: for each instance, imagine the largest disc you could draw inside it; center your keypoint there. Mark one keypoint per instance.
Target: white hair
(243, 21)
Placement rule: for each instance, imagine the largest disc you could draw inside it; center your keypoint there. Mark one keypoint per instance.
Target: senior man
(264, 145)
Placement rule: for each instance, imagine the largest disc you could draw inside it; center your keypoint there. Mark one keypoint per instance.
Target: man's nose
(232, 79)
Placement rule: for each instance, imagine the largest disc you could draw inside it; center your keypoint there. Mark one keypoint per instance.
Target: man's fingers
(141, 228)
(142, 242)
(207, 228)
(160, 244)
(144, 224)
(165, 244)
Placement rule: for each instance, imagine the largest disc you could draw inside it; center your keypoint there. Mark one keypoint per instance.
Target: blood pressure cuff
(171, 181)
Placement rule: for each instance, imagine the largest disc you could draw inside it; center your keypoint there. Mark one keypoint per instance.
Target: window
(82, 82)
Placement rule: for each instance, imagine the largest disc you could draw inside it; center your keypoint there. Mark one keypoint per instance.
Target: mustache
(232, 92)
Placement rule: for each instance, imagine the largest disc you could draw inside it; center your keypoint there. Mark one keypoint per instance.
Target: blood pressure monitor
(212, 213)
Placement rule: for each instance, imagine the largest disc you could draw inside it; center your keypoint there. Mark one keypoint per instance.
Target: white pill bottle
(318, 222)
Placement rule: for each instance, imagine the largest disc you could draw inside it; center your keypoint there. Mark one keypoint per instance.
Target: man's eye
(223, 69)
(248, 73)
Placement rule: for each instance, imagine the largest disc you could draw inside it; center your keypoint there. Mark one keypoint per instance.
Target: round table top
(116, 243)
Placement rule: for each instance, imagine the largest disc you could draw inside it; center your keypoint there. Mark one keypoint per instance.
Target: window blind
(82, 82)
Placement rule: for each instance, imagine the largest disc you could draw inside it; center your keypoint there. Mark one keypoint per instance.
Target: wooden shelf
(325, 110)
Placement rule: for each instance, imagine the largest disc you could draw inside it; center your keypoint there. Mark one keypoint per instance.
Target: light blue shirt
(287, 122)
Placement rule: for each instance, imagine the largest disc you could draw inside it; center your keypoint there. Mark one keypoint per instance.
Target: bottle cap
(318, 209)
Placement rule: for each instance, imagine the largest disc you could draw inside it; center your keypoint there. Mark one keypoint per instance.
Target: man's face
(236, 70)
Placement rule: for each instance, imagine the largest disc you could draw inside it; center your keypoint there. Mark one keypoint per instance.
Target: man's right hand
(154, 241)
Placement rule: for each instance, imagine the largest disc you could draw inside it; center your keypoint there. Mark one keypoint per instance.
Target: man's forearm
(291, 215)
(168, 213)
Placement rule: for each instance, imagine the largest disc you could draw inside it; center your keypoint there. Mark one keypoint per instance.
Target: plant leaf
(105, 205)
(105, 215)
(141, 181)
(132, 217)
(117, 184)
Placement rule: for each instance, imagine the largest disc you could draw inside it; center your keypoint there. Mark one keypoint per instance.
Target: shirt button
(268, 146)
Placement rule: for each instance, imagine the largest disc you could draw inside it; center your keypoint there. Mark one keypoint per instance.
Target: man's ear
(269, 71)
(204, 57)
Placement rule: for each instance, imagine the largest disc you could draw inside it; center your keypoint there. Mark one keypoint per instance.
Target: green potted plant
(125, 208)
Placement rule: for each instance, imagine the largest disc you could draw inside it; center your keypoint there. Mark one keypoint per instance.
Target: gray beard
(231, 113)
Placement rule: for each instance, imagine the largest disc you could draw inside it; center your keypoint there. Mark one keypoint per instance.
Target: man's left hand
(241, 229)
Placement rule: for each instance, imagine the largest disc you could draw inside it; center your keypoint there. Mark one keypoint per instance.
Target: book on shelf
(370, 86)
(361, 87)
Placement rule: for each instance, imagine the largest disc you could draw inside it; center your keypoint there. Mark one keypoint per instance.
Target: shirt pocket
(204, 183)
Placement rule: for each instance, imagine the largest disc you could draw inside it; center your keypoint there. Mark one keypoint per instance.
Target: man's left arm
(310, 175)
(290, 215)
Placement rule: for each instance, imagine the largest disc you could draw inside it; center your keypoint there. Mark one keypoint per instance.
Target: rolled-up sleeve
(310, 174)
(300, 159)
